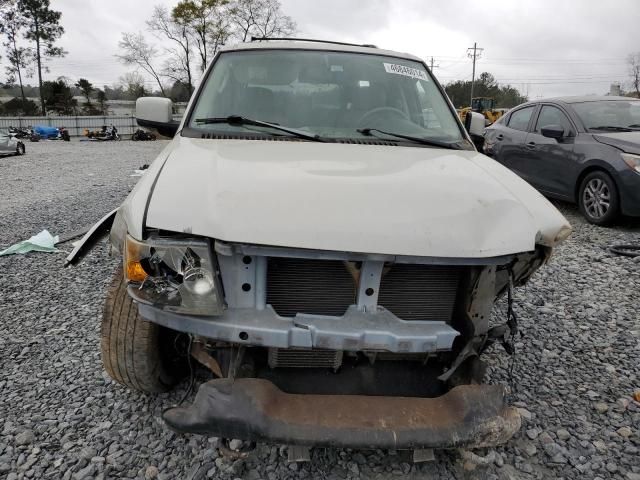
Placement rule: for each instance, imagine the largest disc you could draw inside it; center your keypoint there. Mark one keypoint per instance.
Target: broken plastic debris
(42, 242)
(137, 173)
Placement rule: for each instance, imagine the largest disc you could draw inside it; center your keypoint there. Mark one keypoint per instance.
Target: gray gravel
(575, 370)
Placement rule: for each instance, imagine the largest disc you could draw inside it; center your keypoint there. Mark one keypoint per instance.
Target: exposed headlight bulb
(174, 274)
(198, 281)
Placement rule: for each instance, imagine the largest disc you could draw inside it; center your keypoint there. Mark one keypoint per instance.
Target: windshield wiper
(240, 120)
(612, 128)
(635, 125)
(423, 141)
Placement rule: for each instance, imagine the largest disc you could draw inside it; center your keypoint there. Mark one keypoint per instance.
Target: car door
(549, 165)
(509, 146)
(4, 142)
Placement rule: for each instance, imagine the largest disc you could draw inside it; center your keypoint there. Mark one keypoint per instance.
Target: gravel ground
(575, 370)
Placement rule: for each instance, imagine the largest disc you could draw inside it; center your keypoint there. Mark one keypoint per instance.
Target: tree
(101, 97)
(178, 65)
(42, 27)
(136, 51)
(86, 88)
(18, 107)
(260, 18)
(133, 85)
(114, 92)
(19, 58)
(180, 92)
(634, 71)
(59, 97)
(486, 86)
(205, 21)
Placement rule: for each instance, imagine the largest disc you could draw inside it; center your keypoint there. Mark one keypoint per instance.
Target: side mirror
(552, 131)
(474, 123)
(156, 113)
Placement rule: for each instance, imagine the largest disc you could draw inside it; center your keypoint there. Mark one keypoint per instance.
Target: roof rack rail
(315, 40)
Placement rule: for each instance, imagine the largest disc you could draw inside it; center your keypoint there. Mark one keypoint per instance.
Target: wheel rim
(597, 198)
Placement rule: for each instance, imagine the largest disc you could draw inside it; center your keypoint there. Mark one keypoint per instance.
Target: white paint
(155, 109)
(301, 45)
(134, 206)
(359, 198)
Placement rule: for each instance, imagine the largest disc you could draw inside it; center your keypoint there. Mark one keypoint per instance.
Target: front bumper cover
(470, 416)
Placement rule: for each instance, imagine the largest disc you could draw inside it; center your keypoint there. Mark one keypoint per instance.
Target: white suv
(323, 236)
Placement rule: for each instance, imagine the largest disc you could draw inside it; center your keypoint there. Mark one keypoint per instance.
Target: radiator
(420, 292)
(320, 287)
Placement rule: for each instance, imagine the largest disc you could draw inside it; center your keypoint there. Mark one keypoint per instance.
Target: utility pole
(474, 52)
(433, 66)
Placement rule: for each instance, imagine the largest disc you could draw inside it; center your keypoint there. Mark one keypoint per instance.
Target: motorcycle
(19, 132)
(23, 133)
(104, 134)
(141, 135)
(63, 134)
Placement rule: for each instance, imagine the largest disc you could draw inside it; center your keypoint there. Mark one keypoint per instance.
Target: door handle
(499, 137)
(531, 145)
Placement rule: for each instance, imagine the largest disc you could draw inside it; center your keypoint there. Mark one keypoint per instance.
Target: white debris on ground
(576, 366)
(41, 242)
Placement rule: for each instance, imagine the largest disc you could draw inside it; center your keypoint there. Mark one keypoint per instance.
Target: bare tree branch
(136, 51)
(634, 71)
(205, 22)
(176, 30)
(261, 18)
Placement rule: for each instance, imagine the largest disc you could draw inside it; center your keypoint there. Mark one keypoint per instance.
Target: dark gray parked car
(581, 149)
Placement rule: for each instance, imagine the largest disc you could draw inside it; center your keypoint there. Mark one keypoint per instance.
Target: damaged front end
(322, 348)
(338, 349)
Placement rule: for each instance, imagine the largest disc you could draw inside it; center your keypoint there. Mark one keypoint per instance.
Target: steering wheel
(378, 110)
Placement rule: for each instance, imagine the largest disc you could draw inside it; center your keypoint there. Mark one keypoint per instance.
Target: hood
(357, 198)
(626, 141)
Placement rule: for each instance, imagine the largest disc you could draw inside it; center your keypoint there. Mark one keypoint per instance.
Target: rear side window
(519, 119)
(550, 115)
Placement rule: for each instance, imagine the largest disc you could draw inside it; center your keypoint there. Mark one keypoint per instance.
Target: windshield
(609, 113)
(328, 94)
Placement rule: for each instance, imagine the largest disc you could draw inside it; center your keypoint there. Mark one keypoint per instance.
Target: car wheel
(139, 354)
(598, 198)
(20, 149)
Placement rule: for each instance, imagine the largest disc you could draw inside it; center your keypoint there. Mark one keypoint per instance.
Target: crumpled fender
(91, 238)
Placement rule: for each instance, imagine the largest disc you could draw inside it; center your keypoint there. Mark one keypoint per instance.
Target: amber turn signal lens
(135, 272)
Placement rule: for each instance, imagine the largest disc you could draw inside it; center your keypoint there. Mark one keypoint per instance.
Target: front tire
(20, 150)
(598, 198)
(137, 353)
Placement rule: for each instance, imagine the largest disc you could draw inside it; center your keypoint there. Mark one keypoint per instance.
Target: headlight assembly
(175, 275)
(632, 160)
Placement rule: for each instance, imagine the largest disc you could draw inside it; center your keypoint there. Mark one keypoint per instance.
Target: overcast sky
(542, 47)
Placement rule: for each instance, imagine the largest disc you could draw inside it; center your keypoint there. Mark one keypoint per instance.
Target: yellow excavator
(485, 106)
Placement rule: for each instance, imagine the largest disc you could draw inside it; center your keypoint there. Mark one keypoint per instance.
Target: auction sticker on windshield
(406, 71)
